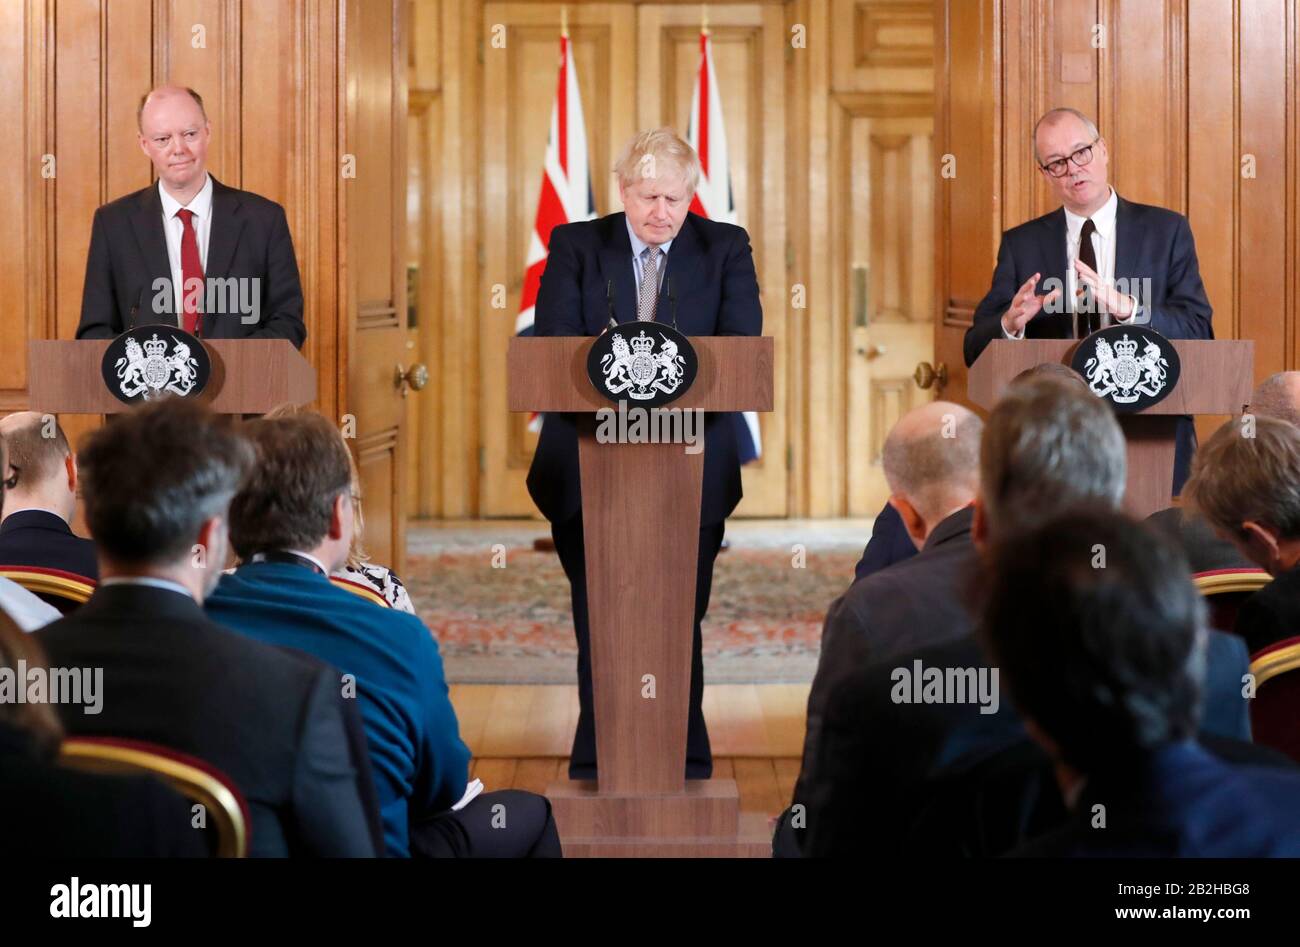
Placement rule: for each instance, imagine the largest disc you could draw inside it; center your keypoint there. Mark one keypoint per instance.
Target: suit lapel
(684, 258)
(147, 225)
(1059, 256)
(227, 224)
(1125, 245)
(616, 265)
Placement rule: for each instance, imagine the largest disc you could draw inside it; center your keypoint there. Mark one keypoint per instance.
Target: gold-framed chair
(194, 779)
(51, 583)
(1275, 709)
(362, 591)
(1225, 589)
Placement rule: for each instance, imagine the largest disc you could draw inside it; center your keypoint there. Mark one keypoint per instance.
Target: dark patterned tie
(1090, 316)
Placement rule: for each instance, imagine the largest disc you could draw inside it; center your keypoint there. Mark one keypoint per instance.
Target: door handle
(412, 379)
(927, 375)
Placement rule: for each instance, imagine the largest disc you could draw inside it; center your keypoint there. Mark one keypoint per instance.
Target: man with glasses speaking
(1097, 260)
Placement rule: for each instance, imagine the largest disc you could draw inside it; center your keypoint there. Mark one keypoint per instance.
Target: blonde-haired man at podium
(652, 261)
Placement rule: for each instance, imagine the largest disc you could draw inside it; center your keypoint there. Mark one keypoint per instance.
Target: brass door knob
(412, 379)
(926, 375)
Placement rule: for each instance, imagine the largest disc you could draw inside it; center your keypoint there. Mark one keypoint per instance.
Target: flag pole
(564, 21)
(704, 18)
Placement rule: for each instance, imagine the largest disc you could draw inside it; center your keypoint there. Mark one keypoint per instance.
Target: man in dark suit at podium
(1052, 283)
(659, 259)
(220, 257)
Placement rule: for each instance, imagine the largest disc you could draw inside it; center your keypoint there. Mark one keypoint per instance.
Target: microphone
(135, 310)
(609, 303)
(672, 300)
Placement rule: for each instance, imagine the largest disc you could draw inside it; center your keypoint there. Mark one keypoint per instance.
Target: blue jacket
(420, 764)
(1181, 802)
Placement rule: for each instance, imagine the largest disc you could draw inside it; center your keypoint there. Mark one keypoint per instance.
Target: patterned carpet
(513, 625)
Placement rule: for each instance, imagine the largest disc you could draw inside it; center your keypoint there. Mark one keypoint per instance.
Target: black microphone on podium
(609, 302)
(672, 300)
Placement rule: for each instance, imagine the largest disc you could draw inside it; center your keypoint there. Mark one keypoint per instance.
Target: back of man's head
(37, 473)
(931, 458)
(288, 500)
(1049, 445)
(1278, 396)
(1099, 635)
(152, 477)
(1248, 471)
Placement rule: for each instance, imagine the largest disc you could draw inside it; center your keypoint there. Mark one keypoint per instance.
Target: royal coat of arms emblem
(1132, 367)
(653, 366)
(147, 368)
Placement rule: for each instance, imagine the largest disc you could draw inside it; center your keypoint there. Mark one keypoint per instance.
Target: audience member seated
(931, 463)
(358, 567)
(1049, 446)
(1245, 482)
(291, 526)
(890, 542)
(26, 610)
(157, 484)
(49, 811)
(41, 478)
(1111, 689)
(1278, 396)
(1205, 552)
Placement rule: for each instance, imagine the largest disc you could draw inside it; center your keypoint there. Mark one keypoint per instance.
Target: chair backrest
(364, 591)
(1275, 709)
(1224, 591)
(196, 780)
(51, 583)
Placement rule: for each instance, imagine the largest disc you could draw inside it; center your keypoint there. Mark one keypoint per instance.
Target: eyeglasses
(1081, 157)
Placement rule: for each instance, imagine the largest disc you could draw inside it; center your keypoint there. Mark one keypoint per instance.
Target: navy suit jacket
(268, 718)
(1182, 802)
(889, 543)
(43, 539)
(1150, 242)
(875, 755)
(711, 268)
(249, 239)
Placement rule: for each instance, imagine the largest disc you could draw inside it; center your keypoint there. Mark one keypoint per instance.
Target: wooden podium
(249, 376)
(641, 521)
(1216, 378)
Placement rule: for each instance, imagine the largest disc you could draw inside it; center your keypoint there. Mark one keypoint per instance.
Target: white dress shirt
(27, 611)
(1103, 248)
(174, 229)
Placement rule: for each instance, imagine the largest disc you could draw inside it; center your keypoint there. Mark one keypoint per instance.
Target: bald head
(1278, 396)
(40, 472)
(931, 461)
(174, 133)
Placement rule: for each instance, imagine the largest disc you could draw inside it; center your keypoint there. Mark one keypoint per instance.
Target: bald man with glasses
(1095, 261)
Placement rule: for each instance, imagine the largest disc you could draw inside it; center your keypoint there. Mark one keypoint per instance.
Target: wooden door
(882, 240)
(373, 169)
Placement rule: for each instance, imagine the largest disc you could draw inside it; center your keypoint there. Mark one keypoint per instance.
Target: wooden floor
(521, 735)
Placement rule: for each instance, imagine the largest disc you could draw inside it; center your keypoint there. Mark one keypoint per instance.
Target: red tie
(191, 269)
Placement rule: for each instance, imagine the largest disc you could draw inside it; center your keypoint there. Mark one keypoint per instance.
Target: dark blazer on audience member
(875, 754)
(1182, 802)
(1272, 614)
(268, 718)
(44, 539)
(711, 270)
(1009, 799)
(1150, 242)
(1205, 551)
(51, 811)
(249, 240)
(889, 543)
(419, 763)
(911, 605)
